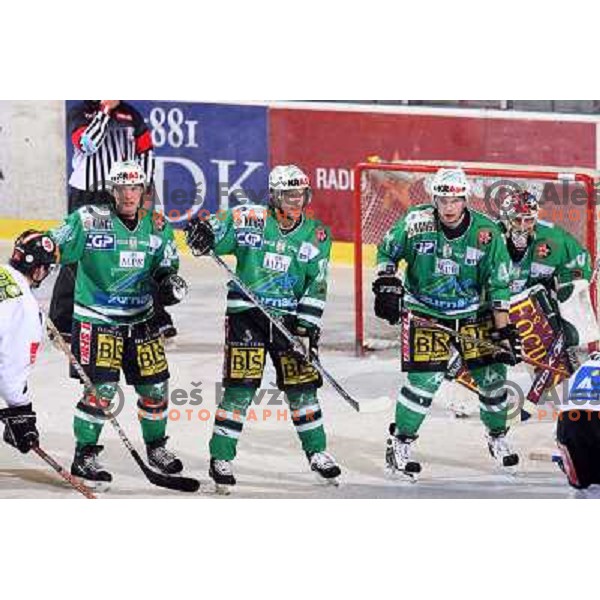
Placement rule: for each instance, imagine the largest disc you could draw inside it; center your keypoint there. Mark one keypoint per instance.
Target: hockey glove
(309, 335)
(508, 337)
(388, 290)
(172, 289)
(19, 427)
(200, 236)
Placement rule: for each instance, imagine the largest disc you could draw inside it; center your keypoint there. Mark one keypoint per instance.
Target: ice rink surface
(270, 463)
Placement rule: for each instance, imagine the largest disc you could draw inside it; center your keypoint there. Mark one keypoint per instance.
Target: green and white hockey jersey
(553, 253)
(448, 278)
(115, 265)
(286, 271)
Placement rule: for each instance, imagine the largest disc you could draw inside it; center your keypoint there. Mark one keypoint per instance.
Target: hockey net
(384, 191)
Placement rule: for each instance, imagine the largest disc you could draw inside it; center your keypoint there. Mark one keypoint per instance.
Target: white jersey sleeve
(20, 335)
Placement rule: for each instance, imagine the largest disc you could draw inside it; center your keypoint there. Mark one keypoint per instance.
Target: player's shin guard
(308, 420)
(89, 414)
(493, 411)
(413, 404)
(229, 422)
(153, 407)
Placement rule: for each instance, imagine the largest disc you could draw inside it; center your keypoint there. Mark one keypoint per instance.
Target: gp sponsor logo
(249, 239)
(100, 241)
(427, 247)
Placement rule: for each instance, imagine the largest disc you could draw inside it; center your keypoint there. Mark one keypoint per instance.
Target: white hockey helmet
(449, 183)
(284, 178)
(126, 173)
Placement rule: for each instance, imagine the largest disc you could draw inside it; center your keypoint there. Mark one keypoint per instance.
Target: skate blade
(400, 476)
(329, 482)
(219, 489)
(222, 490)
(99, 487)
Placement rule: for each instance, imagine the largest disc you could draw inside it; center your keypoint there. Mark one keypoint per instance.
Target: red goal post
(384, 190)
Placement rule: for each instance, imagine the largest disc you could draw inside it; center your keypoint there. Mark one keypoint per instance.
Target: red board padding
(327, 144)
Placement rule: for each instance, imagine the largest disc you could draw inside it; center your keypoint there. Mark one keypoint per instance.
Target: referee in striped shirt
(102, 132)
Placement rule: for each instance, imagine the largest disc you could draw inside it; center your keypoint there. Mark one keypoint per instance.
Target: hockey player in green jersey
(550, 270)
(540, 252)
(283, 257)
(122, 252)
(457, 274)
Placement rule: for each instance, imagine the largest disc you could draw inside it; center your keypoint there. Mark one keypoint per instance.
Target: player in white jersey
(578, 429)
(21, 331)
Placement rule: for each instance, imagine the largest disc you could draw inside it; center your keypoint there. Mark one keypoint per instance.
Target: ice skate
(501, 451)
(397, 457)
(325, 467)
(221, 473)
(162, 459)
(86, 467)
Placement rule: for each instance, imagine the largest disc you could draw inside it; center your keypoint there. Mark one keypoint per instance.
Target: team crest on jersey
(280, 247)
(320, 234)
(484, 237)
(543, 250)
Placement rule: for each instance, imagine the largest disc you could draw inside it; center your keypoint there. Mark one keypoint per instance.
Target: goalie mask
(34, 254)
(519, 213)
(450, 190)
(289, 191)
(127, 182)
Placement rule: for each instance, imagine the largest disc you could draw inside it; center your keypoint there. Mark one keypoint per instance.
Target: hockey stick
(296, 344)
(72, 481)
(171, 482)
(487, 344)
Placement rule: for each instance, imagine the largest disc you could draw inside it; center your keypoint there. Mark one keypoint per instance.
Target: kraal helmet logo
(498, 193)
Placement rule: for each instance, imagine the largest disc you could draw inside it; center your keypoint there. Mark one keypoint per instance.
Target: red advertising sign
(327, 144)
